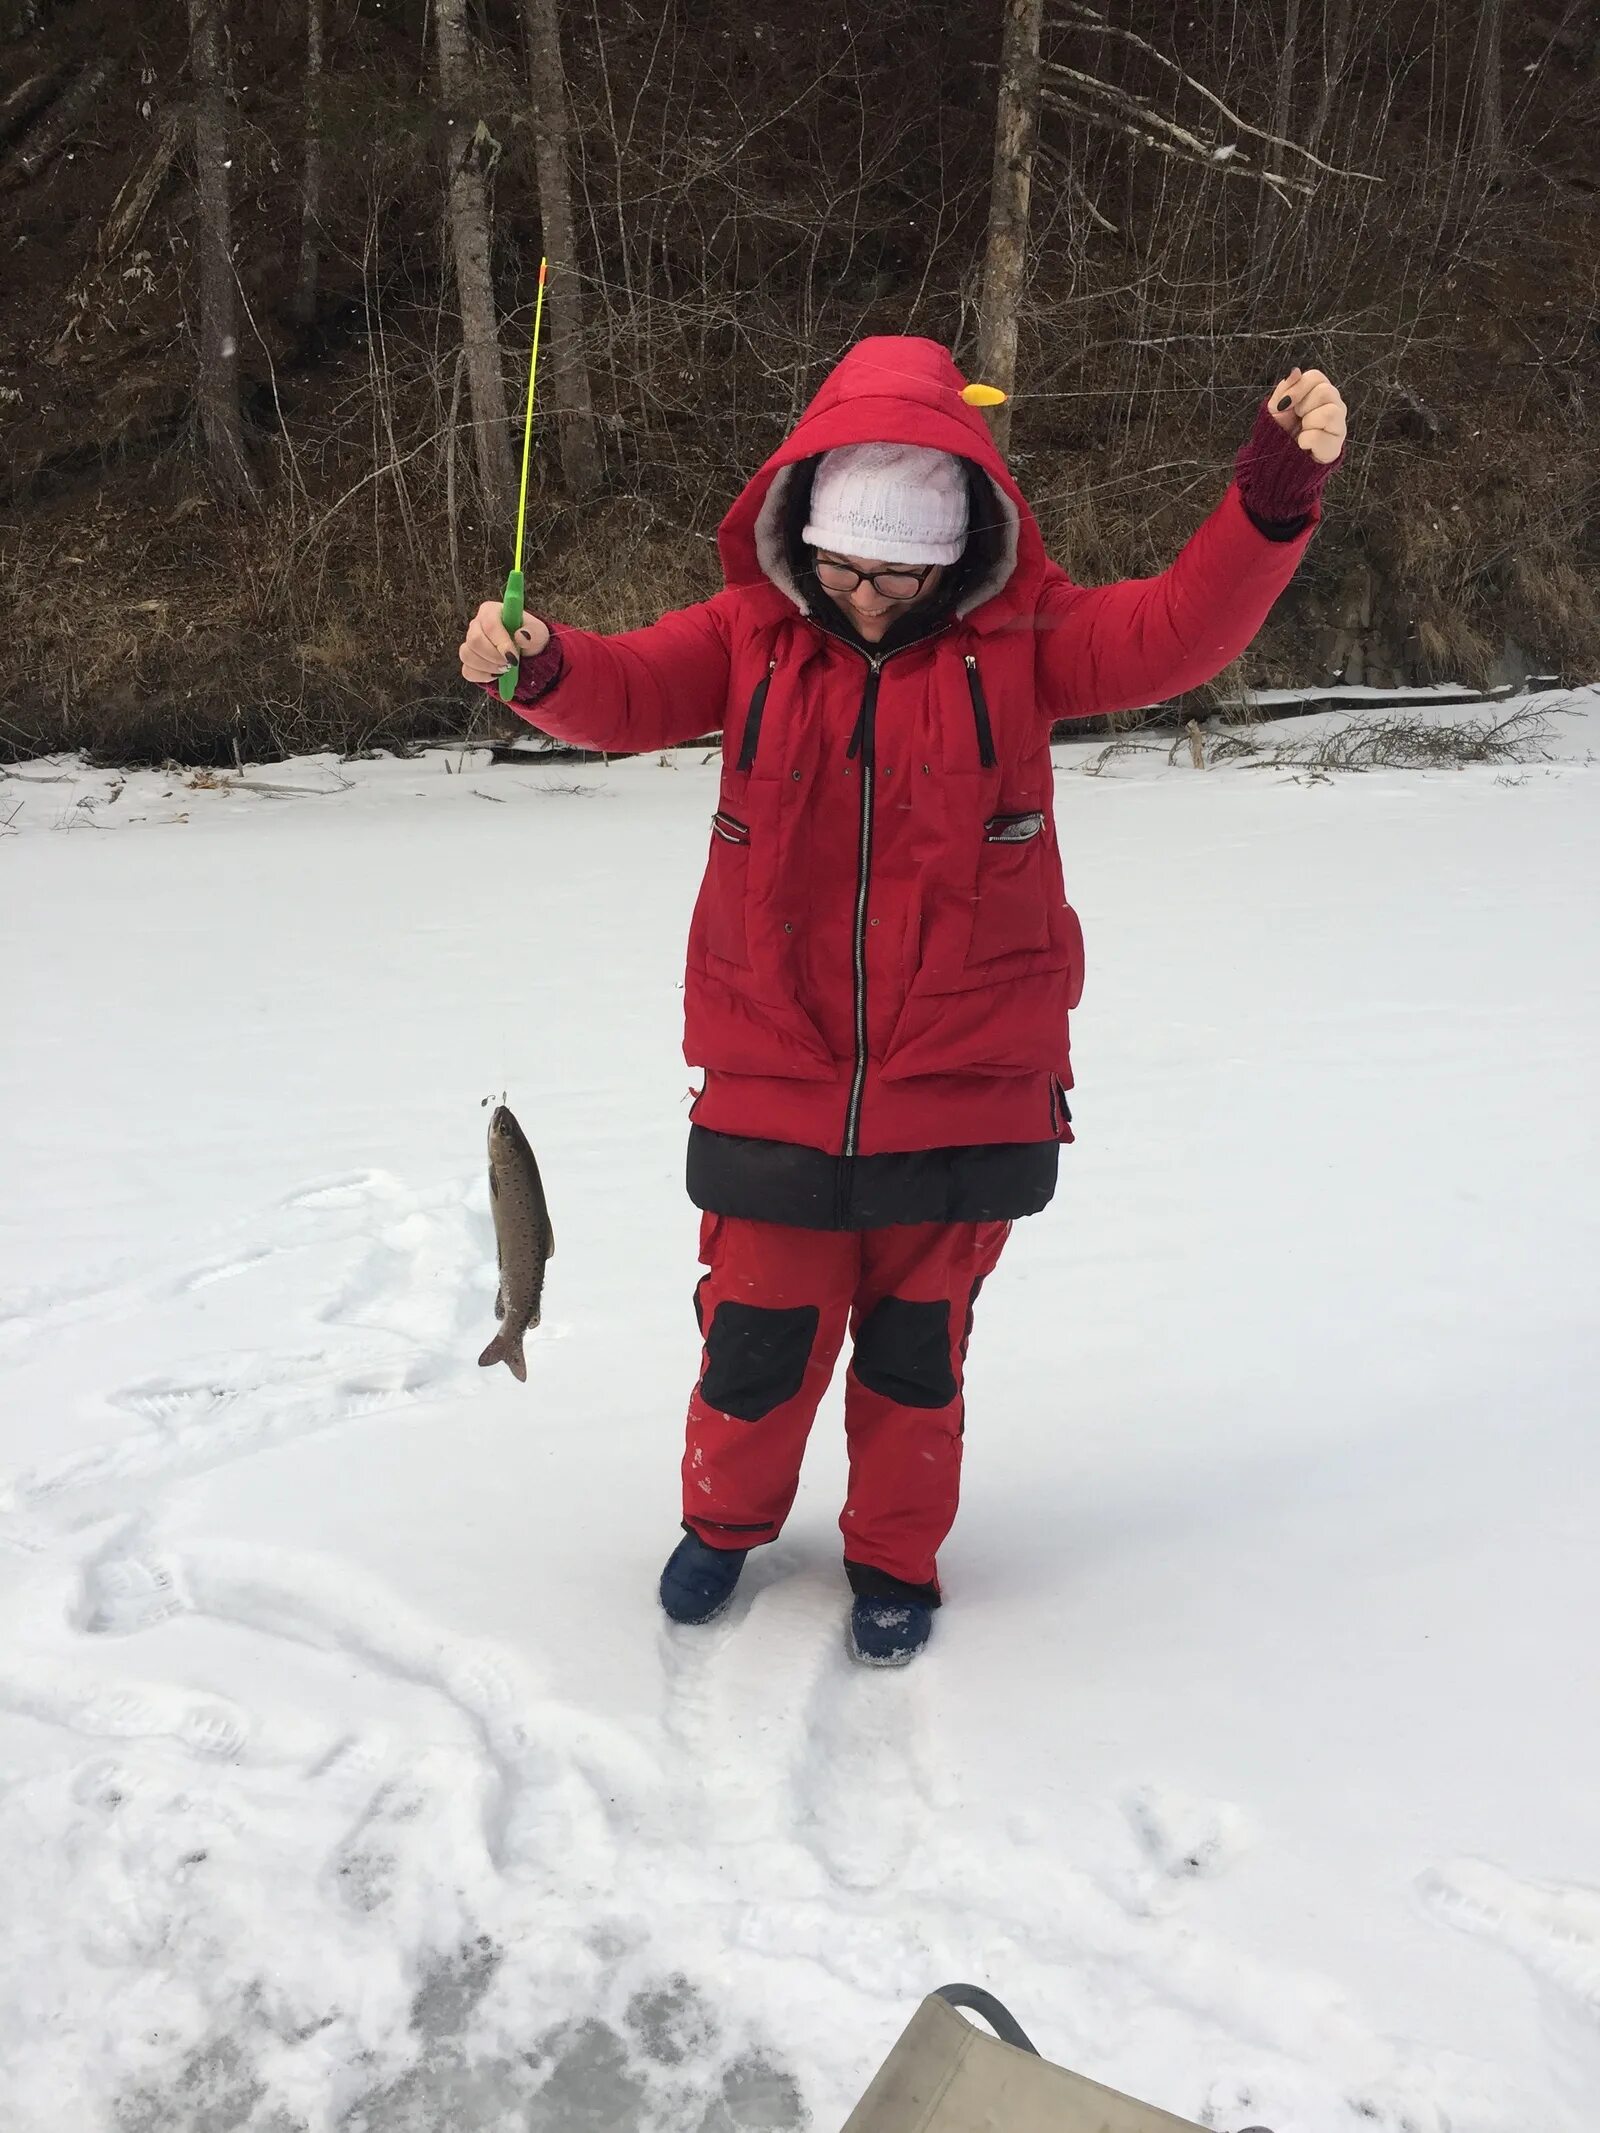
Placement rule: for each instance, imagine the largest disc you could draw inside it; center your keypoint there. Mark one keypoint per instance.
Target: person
(882, 959)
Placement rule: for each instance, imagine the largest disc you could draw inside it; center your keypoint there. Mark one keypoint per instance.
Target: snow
(348, 1775)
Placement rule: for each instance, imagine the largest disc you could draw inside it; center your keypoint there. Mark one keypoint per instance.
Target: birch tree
(471, 150)
(1016, 132)
(569, 373)
(221, 424)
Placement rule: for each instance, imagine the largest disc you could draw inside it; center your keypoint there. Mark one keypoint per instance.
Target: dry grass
(1393, 741)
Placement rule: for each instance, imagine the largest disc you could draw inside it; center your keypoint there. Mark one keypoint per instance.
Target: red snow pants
(773, 1311)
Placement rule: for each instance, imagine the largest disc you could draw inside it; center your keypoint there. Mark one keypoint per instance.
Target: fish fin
(549, 1238)
(500, 1301)
(506, 1347)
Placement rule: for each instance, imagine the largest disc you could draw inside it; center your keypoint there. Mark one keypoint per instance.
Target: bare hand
(1310, 409)
(489, 647)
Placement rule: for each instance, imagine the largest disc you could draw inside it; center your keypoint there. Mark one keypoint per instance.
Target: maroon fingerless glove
(537, 674)
(1279, 485)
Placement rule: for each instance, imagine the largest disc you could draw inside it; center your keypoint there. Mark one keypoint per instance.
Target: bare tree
(472, 151)
(304, 304)
(221, 424)
(1336, 25)
(569, 372)
(1089, 96)
(1488, 144)
(1016, 130)
(1269, 203)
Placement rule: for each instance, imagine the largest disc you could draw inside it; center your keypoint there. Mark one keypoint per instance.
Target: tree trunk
(1016, 130)
(1489, 139)
(1269, 204)
(220, 422)
(304, 305)
(1335, 52)
(564, 310)
(470, 148)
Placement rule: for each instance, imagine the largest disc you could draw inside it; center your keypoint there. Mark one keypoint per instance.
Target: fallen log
(51, 132)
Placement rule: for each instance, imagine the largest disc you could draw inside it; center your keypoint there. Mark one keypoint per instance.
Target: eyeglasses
(899, 583)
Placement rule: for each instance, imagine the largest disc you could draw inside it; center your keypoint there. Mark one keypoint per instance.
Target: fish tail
(506, 1347)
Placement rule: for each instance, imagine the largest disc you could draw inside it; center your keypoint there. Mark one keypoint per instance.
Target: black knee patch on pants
(903, 1353)
(756, 1358)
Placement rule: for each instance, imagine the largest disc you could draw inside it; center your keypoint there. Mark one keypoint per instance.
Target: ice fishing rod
(511, 605)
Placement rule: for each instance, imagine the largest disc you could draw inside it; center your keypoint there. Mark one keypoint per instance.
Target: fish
(523, 1237)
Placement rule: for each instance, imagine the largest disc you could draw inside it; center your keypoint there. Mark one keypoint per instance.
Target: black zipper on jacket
(980, 714)
(752, 719)
(861, 743)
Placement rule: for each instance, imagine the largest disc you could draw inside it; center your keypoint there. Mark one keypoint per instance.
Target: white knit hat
(903, 503)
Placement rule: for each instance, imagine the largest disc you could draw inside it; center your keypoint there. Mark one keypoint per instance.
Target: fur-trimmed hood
(891, 389)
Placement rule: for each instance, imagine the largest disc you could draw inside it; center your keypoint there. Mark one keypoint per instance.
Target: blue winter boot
(698, 1581)
(888, 1632)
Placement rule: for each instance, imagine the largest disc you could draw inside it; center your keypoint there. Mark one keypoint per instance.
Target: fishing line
(511, 604)
(511, 609)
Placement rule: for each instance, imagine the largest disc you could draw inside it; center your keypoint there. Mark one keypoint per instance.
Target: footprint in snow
(390, 1384)
(419, 1825)
(56, 1695)
(1183, 1840)
(194, 1424)
(420, 1279)
(738, 1692)
(128, 1587)
(1553, 1928)
(863, 1776)
(228, 1268)
(169, 1403)
(346, 1189)
(1284, 2096)
(782, 1739)
(543, 1819)
(122, 1286)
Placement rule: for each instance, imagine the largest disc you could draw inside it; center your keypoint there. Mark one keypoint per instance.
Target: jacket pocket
(1008, 1016)
(1010, 911)
(1013, 829)
(721, 916)
(751, 738)
(980, 714)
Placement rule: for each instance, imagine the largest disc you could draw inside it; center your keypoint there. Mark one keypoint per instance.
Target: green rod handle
(511, 619)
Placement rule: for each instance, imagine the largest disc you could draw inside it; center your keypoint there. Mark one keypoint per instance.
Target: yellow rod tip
(983, 395)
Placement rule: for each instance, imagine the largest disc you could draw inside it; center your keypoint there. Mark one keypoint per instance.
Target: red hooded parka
(882, 957)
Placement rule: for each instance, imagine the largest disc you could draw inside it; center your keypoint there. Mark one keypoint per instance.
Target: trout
(523, 1240)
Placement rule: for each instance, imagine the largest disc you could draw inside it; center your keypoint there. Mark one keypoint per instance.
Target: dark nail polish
(1286, 402)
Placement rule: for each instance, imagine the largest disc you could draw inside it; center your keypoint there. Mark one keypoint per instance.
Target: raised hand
(1309, 409)
(489, 647)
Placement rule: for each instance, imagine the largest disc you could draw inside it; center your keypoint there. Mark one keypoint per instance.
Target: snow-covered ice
(349, 1777)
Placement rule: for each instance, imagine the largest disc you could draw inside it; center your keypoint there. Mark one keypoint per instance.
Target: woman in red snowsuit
(882, 958)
